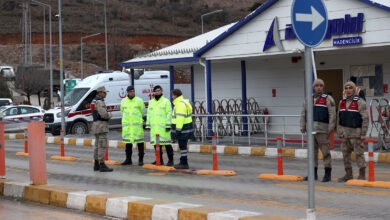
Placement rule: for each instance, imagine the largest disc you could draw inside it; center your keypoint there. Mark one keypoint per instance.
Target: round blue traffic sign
(309, 19)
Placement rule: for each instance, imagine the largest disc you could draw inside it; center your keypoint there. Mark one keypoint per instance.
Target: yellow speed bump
(216, 172)
(280, 177)
(110, 162)
(22, 154)
(62, 158)
(160, 168)
(365, 183)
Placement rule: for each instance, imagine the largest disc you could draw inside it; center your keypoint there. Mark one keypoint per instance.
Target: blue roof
(154, 62)
(387, 8)
(234, 28)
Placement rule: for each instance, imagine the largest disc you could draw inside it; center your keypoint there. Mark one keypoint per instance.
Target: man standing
(132, 110)
(324, 116)
(100, 129)
(182, 126)
(352, 125)
(159, 121)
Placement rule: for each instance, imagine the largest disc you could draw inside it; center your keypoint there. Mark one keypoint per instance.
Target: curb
(120, 206)
(221, 149)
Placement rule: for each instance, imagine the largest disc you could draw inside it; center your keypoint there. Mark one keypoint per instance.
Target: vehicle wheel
(79, 128)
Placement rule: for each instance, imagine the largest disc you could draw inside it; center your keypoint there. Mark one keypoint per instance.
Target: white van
(77, 102)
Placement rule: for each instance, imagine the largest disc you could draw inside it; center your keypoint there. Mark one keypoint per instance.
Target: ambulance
(77, 104)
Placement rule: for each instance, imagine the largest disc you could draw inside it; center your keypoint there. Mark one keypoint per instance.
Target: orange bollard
(280, 156)
(331, 140)
(110, 162)
(2, 151)
(215, 160)
(158, 162)
(25, 153)
(25, 141)
(37, 158)
(62, 144)
(371, 174)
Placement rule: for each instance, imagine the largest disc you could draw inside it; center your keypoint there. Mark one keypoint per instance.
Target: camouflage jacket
(99, 127)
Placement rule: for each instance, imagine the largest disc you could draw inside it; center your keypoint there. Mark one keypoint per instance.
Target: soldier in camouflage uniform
(100, 129)
(352, 125)
(324, 112)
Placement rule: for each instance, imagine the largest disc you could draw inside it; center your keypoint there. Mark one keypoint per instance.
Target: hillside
(134, 26)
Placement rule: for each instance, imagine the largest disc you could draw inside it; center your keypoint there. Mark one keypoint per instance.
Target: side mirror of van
(163, 76)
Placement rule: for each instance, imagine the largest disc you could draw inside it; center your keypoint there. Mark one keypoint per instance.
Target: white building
(357, 44)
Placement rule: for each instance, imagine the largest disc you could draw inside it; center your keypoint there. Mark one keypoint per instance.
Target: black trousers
(129, 149)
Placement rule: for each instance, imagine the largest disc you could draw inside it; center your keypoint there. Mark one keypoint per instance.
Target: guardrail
(253, 128)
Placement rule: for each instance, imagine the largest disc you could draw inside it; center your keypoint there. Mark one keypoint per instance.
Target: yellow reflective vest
(159, 118)
(182, 117)
(132, 111)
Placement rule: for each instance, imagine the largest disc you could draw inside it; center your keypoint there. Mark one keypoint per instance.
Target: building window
(369, 78)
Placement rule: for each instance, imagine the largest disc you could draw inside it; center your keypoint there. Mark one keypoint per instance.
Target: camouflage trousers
(353, 144)
(321, 141)
(100, 147)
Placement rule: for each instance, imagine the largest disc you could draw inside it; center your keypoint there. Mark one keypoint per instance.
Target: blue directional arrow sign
(309, 21)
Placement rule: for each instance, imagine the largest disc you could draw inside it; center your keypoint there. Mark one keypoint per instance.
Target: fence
(250, 129)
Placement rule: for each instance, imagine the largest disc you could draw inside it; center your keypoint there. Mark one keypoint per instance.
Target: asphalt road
(244, 191)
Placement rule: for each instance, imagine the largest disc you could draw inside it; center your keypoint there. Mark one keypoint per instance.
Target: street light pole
(81, 51)
(210, 13)
(51, 52)
(105, 28)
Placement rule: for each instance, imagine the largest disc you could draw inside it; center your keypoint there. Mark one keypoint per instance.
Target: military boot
(129, 152)
(327, 176)
(127, 161)
(362, 174)
(315, 175)
(104, 168)
(170, 160)
(183, 165)
(348, 175)
(96, 166)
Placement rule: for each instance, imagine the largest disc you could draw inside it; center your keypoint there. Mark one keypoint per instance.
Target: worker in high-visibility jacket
(159, 121)
(358, 91)
(183, 127)
(132, 111)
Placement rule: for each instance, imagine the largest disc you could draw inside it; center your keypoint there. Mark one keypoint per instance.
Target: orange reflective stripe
(357, 90)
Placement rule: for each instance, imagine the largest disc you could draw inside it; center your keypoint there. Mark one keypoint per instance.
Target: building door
(333, 80)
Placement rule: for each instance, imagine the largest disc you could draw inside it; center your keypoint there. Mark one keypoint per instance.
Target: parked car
(4, 101)
(18, 113)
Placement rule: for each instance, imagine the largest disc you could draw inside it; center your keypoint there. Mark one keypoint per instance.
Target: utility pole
(51, 50)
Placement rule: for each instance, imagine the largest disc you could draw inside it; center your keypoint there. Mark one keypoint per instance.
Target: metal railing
(251, 128)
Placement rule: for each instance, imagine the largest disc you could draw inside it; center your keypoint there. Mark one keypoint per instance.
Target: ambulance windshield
(75, 96)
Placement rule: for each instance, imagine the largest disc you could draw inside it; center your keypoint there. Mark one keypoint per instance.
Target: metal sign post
(310, 23)
(61, 70)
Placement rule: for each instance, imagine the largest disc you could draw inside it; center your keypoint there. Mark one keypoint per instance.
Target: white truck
(78, 114)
